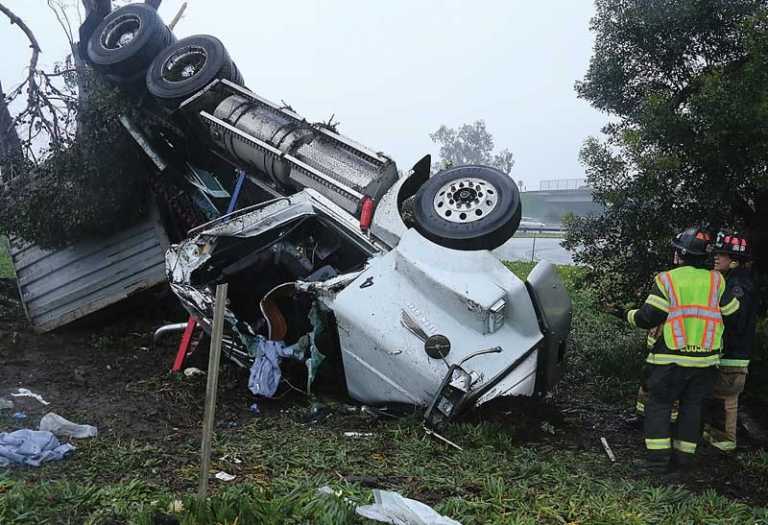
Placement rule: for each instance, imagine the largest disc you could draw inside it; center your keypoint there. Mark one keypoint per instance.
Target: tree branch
(33, 88)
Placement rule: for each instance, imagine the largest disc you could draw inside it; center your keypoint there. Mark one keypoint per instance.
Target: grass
(6, 266)
(280, 462)
(284, 462)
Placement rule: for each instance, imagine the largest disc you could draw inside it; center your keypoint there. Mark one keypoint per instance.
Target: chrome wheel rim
(466, 200)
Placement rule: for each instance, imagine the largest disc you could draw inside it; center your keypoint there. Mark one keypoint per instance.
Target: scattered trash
(265, 372)
(328, 491)
(391, 507)
(223, 476)
(23, 392)
(64, 428)
(254, 409)
(233, 459)
(31, 448)
(192, 371)
(358, 434)
(608, 449)
(19, 416)
(176, 506)
(445, 440)
(5, 404)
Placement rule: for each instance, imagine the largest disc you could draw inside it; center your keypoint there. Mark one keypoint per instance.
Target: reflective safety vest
(693, 330)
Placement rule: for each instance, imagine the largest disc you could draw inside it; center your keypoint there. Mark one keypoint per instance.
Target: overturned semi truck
(389, 274)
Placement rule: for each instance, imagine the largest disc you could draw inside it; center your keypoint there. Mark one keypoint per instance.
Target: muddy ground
(107, 373)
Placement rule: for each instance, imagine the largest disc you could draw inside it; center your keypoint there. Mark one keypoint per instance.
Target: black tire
(188, 66)
(113, 53)
(483, 217)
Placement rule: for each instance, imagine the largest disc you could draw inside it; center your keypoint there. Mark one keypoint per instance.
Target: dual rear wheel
(132, 46)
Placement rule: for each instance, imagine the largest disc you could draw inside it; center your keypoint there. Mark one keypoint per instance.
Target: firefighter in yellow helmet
(691, 304)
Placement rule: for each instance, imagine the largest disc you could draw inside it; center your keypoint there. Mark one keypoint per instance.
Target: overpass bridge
(549, 206)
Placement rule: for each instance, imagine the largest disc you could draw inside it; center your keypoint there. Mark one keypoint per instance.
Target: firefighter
(732, 253)
(690, 302)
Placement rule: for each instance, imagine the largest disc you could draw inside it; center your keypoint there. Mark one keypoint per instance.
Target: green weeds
(6, 266)
(283, 462)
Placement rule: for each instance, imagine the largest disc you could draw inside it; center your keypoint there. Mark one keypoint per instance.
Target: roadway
(546, 249)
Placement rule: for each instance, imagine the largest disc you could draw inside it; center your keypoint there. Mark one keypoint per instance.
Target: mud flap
(554, 311)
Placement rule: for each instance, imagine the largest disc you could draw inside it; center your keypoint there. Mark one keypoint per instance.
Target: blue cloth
(31, 448)
(265, 372)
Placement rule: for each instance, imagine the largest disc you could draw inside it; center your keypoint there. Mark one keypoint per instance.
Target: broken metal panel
(60, 286)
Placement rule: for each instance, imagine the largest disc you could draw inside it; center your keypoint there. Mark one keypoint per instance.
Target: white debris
(61, 427)
(391, 507)
(608, 450)
(358, 434)
(176, 506)
(223, 476)
(192, 371)
(23, 392)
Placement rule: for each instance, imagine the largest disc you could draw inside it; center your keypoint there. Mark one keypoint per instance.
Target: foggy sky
(393, 71)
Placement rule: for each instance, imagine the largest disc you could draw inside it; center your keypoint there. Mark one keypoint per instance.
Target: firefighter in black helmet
(690, 303)
(732, 254)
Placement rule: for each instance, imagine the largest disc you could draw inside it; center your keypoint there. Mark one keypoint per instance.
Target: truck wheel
(188, 66)
(468, 208)
(127, 40)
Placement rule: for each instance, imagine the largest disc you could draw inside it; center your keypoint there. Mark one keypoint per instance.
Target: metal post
(210, 390)
(236, 192)
(533, 249)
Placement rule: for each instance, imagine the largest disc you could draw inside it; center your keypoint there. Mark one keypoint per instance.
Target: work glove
(615, 311)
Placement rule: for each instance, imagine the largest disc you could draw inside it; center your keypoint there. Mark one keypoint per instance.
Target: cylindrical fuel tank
(266, 124)
(295, 153)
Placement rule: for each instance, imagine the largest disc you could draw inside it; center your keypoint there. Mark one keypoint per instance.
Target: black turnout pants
(666, 384)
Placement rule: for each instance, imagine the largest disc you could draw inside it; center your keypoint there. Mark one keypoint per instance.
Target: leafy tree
(686, 86)
(470, 144)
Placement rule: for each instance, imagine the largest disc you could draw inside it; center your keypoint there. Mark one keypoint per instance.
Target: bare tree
(48, 117)
(10, 146)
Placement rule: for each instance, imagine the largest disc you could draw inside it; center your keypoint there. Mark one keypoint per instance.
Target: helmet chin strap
(733, 264)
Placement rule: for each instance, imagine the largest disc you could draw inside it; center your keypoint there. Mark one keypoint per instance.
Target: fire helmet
(692, 241)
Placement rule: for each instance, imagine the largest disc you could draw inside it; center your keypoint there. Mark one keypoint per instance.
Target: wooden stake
(214, 357)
